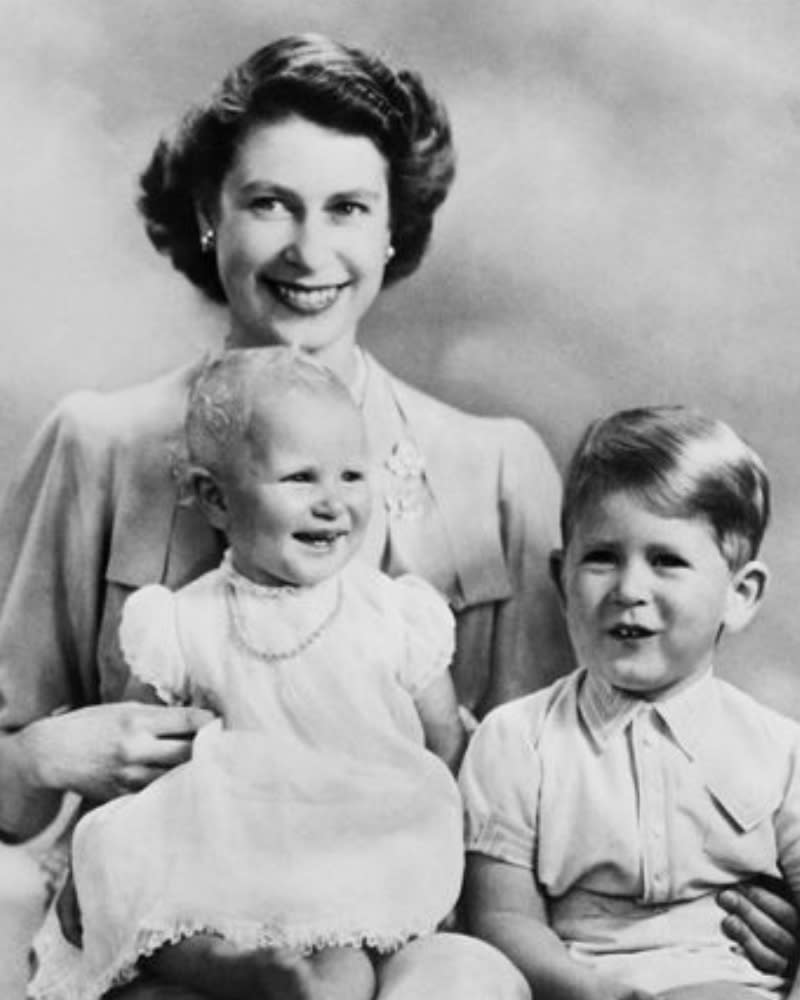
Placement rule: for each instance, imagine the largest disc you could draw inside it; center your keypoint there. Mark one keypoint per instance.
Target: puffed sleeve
(499, 782)
(54, 530)
(529, 646)
(429, 630)
(148, 635)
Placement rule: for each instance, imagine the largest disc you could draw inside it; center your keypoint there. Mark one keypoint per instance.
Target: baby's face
(645, 595)
(300, 502)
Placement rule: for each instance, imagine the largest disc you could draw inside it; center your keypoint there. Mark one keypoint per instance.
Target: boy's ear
(747, 588)
(557, 572)
(209, 496)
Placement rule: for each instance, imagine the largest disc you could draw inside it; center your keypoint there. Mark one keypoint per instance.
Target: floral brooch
(405, 493)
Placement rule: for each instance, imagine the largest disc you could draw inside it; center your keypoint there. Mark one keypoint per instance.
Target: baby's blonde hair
(222, 401)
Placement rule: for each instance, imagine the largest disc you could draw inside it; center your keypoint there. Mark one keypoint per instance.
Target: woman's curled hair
(333, 85)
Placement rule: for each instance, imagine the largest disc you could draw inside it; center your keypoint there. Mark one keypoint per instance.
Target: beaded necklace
(238, 629)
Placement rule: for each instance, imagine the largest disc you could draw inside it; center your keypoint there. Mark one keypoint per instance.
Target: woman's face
(302, 232)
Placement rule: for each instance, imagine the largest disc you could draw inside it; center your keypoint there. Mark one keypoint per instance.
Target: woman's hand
(103, 751)
(764, 923)
(69, 914)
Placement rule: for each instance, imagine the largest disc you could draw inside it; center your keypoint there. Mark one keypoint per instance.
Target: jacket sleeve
(523, 635)
(54, 529)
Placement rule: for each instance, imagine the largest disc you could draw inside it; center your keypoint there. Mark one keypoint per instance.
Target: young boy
(606, 812)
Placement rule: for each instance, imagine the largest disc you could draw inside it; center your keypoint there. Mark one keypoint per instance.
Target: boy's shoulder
(743, 714)
(746, 752)
(526, 716)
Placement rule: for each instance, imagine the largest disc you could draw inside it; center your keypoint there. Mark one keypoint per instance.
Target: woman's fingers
(69, 915)
(166, 721)
(764, 924)
(105, 750)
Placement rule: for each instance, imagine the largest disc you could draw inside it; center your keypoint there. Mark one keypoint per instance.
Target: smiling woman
(302, 235)
(305, 184)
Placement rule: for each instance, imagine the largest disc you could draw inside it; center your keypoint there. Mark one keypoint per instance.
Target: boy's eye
(302, 476)
(353, 476)
(668, 560)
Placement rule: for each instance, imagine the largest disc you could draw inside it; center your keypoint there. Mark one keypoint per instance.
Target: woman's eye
(353, 476)
(265, 204)
(297, 477)
(348, 209)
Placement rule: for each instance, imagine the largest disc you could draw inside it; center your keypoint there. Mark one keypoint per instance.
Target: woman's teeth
(305, 300)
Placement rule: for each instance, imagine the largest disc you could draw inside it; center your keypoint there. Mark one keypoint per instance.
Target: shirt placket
(652, 785)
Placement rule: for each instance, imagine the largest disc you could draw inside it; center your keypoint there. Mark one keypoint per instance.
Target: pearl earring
(207, 239)
(389, 253)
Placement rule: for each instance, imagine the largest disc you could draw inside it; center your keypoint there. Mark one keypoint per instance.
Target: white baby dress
(311, 813)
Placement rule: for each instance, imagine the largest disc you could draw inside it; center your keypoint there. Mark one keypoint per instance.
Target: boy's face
(646, 595)
(297, 509)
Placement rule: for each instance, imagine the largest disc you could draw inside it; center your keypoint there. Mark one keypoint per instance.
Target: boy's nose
(631, 586)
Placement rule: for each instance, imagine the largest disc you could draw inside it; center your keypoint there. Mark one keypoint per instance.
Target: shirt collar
(605, 710)
(704, 730)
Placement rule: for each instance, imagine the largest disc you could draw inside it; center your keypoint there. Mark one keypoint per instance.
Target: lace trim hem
(124, 970)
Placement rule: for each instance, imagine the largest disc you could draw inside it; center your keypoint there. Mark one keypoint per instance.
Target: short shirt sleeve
(148, 636)
(429, 629)
(499, 781)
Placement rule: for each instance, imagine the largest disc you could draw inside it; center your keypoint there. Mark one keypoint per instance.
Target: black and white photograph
(398, 462)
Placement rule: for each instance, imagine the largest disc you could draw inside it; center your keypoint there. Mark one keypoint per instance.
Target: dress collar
(243, 584)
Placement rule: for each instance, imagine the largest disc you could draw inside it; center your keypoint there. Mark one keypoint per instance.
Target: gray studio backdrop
(625, 226)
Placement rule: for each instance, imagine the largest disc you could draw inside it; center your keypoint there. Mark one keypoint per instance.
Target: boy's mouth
(622, 631)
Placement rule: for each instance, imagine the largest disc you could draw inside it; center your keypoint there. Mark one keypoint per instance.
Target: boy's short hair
(224, 396)
(679, 463)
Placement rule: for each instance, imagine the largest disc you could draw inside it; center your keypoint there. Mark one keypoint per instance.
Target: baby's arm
(445, 735)
(506, 908)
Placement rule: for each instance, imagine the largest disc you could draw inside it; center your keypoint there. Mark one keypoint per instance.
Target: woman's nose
(309, 245)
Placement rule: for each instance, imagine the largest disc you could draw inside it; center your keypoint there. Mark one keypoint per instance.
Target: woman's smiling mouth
(305, 299)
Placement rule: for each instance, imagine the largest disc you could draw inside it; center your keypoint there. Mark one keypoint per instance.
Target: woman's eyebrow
(359, 194)
(261, 184)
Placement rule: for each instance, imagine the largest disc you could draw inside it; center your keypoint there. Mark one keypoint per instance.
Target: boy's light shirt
(624, 808)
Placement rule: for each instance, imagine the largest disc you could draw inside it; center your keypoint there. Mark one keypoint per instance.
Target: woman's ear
(557, 572)
(745, 595)
(209, 496)
(203, 214)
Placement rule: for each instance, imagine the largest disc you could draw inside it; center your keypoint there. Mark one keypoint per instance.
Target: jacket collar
(430, 493)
